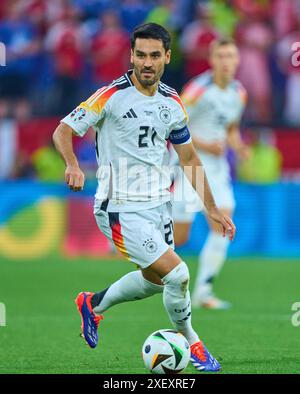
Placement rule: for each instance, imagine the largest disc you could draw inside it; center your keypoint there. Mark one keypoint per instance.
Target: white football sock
(211, 260)
(177, 301)
(130, 287)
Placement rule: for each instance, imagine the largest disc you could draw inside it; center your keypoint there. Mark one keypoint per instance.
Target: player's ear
(168, 56)
(131, 55)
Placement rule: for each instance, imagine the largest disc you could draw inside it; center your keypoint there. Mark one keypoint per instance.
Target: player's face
(149, 58)
(225, 60)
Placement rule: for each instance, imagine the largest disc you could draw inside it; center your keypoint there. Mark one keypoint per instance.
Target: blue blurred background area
(267, 219)
(59, 52)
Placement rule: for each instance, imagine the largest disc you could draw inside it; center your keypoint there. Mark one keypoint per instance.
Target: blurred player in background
(134, 117)
(215, 102)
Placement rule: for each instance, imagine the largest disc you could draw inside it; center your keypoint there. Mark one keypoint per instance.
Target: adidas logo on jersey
(130, 114)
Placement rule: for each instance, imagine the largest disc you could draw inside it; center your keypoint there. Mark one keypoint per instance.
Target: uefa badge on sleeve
(78, 114)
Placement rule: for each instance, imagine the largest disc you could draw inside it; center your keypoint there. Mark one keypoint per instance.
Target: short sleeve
(88, 113)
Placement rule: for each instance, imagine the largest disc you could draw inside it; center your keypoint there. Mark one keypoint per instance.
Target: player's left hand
(225, 221)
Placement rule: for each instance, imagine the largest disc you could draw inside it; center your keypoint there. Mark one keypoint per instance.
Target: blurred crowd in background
(58, 52)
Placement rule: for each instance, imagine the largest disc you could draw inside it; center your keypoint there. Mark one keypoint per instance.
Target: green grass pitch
(42, 331)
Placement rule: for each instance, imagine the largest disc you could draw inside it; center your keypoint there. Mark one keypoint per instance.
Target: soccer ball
(166, 351)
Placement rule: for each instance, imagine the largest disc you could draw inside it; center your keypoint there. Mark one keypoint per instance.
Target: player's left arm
(235, 141)
(195, 172)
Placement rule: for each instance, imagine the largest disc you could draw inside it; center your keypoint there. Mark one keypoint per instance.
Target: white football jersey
(132, 131)
(211, 110)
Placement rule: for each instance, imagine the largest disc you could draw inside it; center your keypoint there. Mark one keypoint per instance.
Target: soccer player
(215, 102)
(133, 118)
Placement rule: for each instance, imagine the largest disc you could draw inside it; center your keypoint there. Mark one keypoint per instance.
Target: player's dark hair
(151, 30)
(220, 42)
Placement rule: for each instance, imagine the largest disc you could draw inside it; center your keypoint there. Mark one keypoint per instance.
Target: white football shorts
(143, 236)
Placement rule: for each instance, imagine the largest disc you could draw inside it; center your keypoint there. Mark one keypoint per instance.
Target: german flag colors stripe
(115, 225)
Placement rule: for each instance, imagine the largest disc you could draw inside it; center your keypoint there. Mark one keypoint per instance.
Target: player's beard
(147, 82)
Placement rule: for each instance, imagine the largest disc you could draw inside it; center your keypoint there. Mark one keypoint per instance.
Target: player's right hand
(216, 148)
(74, 177)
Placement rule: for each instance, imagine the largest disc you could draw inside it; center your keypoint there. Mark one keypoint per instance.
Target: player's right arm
(62, 139)
(87, 114)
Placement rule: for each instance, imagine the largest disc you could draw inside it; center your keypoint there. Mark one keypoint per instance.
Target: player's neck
(220, 81)
(147, 91)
